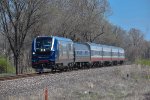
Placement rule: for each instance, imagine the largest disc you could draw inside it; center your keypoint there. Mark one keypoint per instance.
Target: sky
(131, 14)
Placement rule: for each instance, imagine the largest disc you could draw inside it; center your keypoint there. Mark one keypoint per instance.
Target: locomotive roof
(95, 44)
(62, 38)
(58, 38)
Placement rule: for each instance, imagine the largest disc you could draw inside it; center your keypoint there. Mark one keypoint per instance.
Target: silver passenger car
(82, 52)
(96, 52)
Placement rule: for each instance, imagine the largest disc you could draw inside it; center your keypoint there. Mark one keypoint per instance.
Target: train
(59, 53)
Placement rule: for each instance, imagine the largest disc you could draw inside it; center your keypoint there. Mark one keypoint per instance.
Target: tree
(136, 44)
(80, 20)
(17, 17)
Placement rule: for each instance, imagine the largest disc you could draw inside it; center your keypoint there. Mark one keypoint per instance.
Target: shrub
(5, 66)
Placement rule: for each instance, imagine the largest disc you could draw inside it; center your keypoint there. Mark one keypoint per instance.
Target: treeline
(80, 20)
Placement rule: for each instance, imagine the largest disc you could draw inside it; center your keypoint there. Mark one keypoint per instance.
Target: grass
(7, 74)
(5, 67)
(145, 62)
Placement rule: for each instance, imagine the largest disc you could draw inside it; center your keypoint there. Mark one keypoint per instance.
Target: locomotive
(52, 52)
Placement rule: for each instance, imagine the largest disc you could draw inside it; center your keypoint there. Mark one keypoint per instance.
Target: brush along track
(21, 76)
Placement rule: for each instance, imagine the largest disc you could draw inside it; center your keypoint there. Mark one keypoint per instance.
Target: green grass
(145, 62)
(5, 66)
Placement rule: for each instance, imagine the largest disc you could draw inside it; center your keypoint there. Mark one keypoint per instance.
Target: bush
(145, 62)
(5, 66)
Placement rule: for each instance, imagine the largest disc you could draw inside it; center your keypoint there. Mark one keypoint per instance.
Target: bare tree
(80, 20)
(17, 19)
(136, 44)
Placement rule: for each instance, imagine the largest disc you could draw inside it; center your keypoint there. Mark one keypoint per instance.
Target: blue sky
(131, 14)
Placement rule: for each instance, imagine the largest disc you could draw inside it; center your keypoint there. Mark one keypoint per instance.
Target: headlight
(33, 53)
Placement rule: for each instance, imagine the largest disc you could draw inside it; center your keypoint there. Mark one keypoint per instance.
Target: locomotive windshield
(43, 44)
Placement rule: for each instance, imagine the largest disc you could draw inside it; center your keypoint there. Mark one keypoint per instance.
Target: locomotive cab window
(43, 44)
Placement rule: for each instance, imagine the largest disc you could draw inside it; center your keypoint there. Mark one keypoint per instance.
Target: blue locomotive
(51, 52)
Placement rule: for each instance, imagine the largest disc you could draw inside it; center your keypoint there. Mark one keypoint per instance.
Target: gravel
(127, 82)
